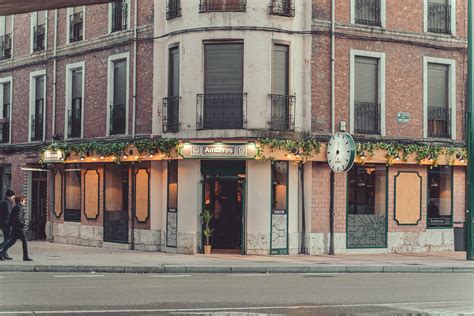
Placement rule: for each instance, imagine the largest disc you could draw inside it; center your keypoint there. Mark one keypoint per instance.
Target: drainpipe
(53, 124)
(134, 101)
(333, 60)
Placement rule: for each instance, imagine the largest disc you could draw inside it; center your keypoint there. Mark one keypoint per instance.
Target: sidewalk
(66, 258)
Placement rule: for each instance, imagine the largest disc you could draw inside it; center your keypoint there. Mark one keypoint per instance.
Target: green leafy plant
(206, 217)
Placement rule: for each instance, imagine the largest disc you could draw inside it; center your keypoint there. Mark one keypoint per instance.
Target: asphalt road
(237, 294)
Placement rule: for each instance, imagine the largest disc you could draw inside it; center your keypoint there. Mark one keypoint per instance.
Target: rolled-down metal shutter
(438, 85)
(224, 69)
(366, 79)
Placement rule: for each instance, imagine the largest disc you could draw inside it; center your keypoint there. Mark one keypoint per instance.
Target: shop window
(279, 185)
(172, 212)
(440, 195)
(72, 198)
(279, 219)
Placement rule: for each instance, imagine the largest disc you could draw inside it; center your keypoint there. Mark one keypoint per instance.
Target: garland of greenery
(302, 149)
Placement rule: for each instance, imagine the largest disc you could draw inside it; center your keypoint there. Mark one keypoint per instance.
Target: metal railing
(36, 127)
(5, 124)
(39, 37)
(74, 116)
(439, 18)
(282, 112)
(119, 15)
(367, 118)
(439, 122)
(171, 114)
(221, 111)
(222, 6)
(368, 12)
(6, 46)
(173, 9)
(282, 8)
(76, 22)
(117, 119)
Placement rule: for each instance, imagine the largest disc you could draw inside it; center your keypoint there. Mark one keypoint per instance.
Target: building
(227, 106)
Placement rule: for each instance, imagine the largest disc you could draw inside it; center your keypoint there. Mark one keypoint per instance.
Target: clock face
(341, 152)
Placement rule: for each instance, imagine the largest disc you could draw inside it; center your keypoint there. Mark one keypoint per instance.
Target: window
(172, 208)
(282, 7)
(72, 196)
(74, 99)
(5, 109)
(367, 93)
(37, 105)
(173, 9)
(76, 24)
(171, 103)
(368, 12)
(222, 104)
(282, 104)
(440, 16)
(119, 15)
(38, 31)
(440, 195)
(6, 23)
(439, 98)
(222, 5)
(118, 94)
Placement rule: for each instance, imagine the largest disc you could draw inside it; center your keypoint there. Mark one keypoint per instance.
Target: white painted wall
(293, 231)
(157, 196)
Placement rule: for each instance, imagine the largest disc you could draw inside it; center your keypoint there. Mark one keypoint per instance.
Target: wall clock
(341, 152)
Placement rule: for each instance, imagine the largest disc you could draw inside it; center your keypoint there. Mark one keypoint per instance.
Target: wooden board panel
(408, 198)
(91, 194)
(58, 194)
(142, 195)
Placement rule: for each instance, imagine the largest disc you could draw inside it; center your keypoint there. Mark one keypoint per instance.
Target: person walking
(6, 206)
(19, 226)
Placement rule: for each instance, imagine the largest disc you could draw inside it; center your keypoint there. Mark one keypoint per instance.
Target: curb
(230, 269)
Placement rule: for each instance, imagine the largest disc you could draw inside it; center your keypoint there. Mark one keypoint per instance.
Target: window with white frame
(118, 94)
(75, 24)
(440, 16)
(38, 31)
(368, 12)
(5, 109)
(439, 97)
(74, 99)
(37, 105)
(367, 93)
(119, 15)
(6, 28)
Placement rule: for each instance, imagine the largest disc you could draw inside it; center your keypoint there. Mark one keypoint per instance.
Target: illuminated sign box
(52, 156)
(215, 151)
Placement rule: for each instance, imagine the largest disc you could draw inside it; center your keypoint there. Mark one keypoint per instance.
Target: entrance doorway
(39, 182)
(116, 203)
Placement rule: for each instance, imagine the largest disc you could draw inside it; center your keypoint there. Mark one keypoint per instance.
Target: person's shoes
(1, 258)
(27, 259)
(7, 257)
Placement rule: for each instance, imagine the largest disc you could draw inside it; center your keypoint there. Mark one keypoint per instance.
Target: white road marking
(79, 276)
(169, 275)
(2, 277)
(248, 274)
(227, 309)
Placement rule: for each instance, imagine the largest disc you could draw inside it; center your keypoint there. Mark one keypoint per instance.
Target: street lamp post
(470, 137)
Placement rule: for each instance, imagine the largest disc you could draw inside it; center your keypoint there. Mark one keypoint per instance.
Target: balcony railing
(37, 127)
(367, 118)
(119, 15)
(5, 124)
(6, 46)
(173, 9)
(282, 112)
(117, 119)
(222, 6)
(75, 119)
(75, 27)
(282, 8)
(171, 114)
(368, 12)
(39, 38)
(221, 111)
(439, 122)
(439, 18)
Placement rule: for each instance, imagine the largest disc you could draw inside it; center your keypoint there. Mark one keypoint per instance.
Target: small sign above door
(218, 150)
(53, 156)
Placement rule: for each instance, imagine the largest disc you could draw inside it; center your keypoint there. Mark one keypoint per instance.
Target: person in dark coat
(19, 224)
(6, 206)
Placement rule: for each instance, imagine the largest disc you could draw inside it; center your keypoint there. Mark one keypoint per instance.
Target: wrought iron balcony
(171, 114)
(119, 15)
(173, 9)
(222, 6)
(75, 27)
(282, 112)
(5, 125)
(282, 8)
(6, 46)
(39, 37)
(367, 118)
(368, 12)
(117, 119)
(74, 116)
(439, 122)
(221, 111)
(36, 127)
(439, 18)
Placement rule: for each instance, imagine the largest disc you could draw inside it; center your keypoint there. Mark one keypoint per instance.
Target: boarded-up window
(142, 195)
(408, 198)
(72, 196)
(366, 79)
(58, 194)
(438, 85)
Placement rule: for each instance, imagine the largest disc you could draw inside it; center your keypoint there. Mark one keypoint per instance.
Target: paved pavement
(67, 258)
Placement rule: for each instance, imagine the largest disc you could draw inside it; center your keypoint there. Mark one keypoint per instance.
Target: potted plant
(207, 231)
